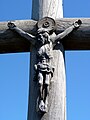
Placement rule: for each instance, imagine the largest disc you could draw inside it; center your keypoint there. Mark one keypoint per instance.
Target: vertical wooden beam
(57, 95)
(50, 8)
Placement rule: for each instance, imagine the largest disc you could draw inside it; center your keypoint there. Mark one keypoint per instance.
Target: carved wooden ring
(47, 23)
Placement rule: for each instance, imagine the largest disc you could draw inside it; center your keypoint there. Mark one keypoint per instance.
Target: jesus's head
(43, 36)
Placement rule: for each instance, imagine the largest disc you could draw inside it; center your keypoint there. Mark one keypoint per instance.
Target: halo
(47, 23)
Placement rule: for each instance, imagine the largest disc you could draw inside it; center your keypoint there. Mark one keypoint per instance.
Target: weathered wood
(11, 42)
(50, 8)
(78, 40)
(57, 95)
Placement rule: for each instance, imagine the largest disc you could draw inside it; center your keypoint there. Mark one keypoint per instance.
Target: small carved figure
(44, 75)
(44, 41)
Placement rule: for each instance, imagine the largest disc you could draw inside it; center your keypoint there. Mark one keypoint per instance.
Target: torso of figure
(44, 45)
(43, 67)
(45, 50)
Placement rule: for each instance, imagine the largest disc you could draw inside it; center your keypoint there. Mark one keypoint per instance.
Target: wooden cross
(11, 42)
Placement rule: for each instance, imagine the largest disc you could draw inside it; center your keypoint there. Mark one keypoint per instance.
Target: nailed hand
(77, 23)
(11, 25)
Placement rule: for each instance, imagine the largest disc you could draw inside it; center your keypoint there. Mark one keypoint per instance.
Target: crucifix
(46, 37)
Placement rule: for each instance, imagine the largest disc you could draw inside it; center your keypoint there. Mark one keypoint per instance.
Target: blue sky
(14, 68)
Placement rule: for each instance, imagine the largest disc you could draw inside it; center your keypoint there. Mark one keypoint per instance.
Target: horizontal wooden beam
(79, 39)
(11, 42)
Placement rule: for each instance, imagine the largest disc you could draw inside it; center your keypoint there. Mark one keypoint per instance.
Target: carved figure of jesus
(44, 41)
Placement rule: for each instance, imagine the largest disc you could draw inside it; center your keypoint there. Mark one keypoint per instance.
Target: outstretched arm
(26, 35)
(68, 30)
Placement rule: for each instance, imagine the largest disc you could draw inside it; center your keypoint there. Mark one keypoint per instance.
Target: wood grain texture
(79, 39)
(57, 95)
(11, 42)
(50, 8)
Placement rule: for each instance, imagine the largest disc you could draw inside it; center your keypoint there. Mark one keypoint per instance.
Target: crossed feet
(43, 106)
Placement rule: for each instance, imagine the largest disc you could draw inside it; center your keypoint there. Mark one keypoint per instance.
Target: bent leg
(40, 81)
(46, 87)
